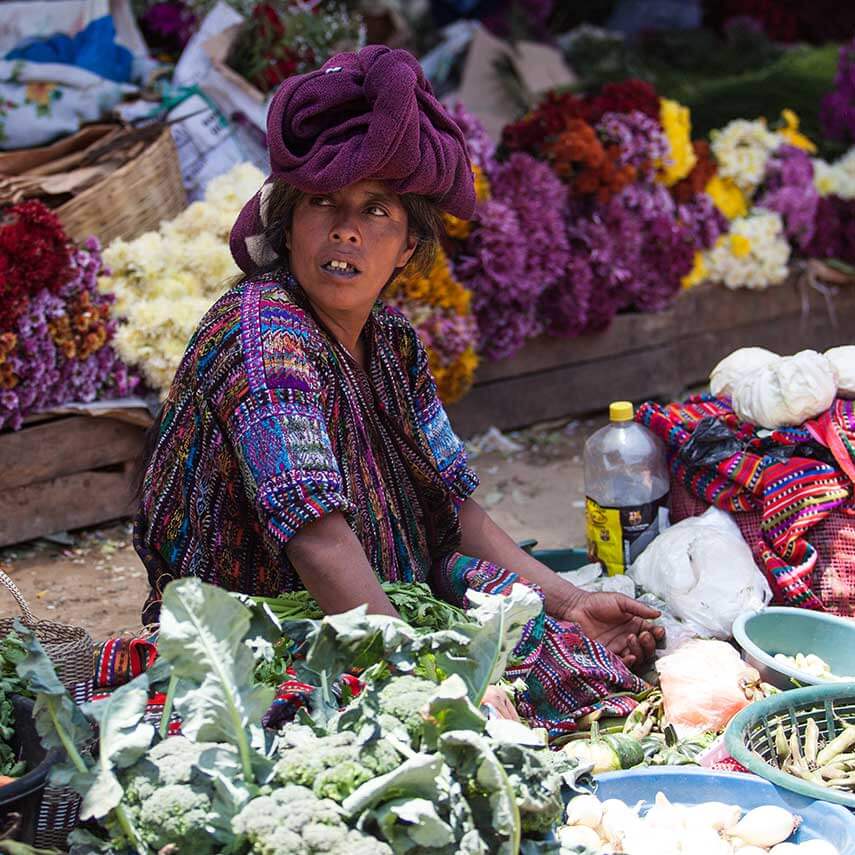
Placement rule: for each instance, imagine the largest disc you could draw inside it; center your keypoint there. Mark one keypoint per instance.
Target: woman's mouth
(339, 267)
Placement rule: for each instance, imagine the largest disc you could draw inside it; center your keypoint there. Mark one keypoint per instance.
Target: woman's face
(344, 246)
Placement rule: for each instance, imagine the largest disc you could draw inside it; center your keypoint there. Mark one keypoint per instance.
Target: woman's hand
(498, 699)
(620, 623)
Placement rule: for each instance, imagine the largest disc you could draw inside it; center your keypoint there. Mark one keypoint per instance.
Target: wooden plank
(568, 390)
(627, 333)
(68, 502)
(64, 446)
(683, 359)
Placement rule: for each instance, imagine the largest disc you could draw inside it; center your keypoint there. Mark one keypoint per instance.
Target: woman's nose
(345, 230)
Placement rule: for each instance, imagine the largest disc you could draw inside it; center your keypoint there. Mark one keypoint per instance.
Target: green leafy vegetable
(123, 737)
(495, 630)
(414, 602)
(11, 652)
(202, 632)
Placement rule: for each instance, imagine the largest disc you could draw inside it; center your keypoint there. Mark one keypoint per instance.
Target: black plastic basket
(24, 796)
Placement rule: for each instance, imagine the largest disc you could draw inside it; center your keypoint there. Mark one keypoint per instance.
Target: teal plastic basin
(789, 631)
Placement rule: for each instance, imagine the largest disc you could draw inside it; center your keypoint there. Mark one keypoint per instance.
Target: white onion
(765, 826)
(584, 810)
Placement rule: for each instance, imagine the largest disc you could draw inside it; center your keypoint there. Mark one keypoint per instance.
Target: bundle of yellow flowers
(438, 306)
(165, 281)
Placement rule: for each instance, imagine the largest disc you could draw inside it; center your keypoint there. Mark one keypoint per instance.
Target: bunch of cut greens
(11, 652)
(414, 602)
(411, 766)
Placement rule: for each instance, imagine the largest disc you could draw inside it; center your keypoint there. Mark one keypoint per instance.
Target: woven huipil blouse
(270, 424)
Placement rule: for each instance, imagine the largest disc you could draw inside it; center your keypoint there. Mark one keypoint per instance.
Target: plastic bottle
(626, 489)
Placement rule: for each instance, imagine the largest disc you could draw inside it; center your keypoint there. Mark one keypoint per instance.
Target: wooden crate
(65, 473)
(640, 357)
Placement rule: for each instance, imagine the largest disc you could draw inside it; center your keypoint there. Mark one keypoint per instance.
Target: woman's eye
(377, 211)
(321, 200)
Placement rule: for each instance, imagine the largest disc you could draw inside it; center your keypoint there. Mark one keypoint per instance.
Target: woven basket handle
(12, 588)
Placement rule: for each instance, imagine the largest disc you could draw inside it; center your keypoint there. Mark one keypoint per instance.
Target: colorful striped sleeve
(278, 428)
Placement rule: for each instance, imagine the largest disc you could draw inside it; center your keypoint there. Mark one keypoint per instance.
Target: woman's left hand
(620, 623)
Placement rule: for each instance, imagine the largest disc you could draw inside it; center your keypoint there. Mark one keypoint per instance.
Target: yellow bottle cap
(621, 411)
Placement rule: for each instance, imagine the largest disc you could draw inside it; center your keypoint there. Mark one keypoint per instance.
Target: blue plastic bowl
(786, 630)
(822, 820)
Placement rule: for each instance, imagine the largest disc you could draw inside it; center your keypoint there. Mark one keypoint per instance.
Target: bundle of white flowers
(742, 149)
(836, 178)
(165, 281)
(753, 254)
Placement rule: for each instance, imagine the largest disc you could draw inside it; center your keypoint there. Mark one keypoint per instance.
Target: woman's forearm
(482, 538)
(332, 565)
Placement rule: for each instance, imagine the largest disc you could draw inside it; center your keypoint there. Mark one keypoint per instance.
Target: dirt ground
(531, 483)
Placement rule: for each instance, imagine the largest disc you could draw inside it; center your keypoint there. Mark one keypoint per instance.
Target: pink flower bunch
(58, 349)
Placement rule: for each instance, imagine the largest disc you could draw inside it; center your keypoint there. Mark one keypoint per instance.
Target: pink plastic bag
(703, 686)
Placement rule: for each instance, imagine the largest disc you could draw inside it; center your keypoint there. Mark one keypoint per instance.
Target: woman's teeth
(340, 267)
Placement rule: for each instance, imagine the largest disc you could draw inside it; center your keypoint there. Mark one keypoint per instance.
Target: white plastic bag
(703, 569)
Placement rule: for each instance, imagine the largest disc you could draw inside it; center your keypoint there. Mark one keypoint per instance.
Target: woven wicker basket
(132, 200)
(71, 650)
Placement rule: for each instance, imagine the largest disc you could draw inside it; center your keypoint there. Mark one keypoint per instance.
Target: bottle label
(617, 536)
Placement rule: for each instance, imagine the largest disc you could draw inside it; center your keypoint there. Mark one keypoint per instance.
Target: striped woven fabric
(566, 674)
(794, 476)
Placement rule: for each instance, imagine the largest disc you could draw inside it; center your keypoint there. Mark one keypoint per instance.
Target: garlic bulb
(584, 810)
(716, 815)
(739, 364)
(765, 826)
(843, 360)
(571, 836)
(787, 392)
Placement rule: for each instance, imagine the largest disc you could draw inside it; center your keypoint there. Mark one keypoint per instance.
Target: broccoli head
(396, 706)
(169, 799)
(335, 765)
(294, 820)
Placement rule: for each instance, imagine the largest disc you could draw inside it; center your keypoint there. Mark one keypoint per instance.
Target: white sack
(843, 360)
(704, 570)
(739, 364)
(787, 392)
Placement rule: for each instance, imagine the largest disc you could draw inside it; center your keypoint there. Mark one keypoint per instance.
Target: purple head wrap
(365, 115)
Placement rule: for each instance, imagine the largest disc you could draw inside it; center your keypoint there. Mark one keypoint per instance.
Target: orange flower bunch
(8, 343)
(83, 330)
(583, 162)
(455, 380)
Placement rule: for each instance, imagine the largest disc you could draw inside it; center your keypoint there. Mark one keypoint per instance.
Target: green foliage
(410, 767)
(12, 651)
(414, 602)
(202, 632)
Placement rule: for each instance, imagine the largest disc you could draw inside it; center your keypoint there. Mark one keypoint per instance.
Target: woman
(302, 442)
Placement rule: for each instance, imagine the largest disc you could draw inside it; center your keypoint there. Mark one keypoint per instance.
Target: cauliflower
(335, 765)
(168, 798)
(399, 703)
(294, 820)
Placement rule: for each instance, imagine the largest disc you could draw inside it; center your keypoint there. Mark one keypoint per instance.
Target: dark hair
(424, 222)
